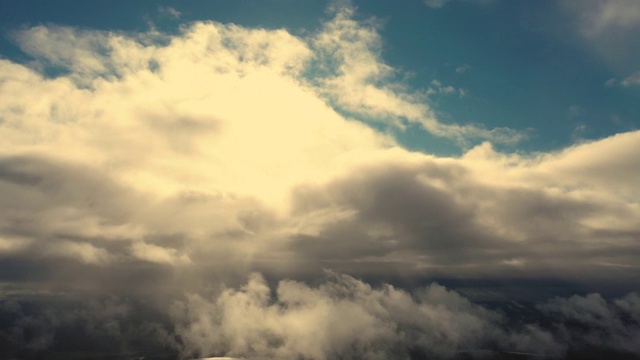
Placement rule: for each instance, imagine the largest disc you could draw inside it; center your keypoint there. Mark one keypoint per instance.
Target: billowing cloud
(345, 318)
(597, 321)
(339, 317)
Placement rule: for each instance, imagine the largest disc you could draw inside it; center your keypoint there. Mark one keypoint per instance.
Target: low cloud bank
(339, 317)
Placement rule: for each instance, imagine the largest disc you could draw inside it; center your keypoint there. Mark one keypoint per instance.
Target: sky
(320, 179)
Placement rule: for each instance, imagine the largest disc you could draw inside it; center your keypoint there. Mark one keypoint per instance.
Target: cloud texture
(156, 165)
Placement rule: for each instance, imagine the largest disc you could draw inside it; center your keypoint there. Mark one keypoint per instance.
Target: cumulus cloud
(345, 318)
(183, 171)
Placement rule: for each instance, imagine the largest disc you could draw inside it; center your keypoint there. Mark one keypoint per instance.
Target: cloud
(615, 13)
(157, 254)
(343, 317)
(483, 214)
(438, 4)
(159, 176)
(179, 174)
(339, 316)
(435, 4)
(360, 82)
(599, 322)
(169, 12)
(437, 88)
(631, 80)
(575, 111)
(463, 68)
(609, 28)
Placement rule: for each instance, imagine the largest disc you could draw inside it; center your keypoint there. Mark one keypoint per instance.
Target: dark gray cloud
(441, 218)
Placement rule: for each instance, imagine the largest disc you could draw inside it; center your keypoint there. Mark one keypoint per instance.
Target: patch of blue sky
(512, 74)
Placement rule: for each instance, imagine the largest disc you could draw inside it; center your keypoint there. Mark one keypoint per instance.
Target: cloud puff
(169, 12)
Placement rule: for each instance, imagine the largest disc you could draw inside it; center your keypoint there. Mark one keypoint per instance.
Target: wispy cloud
(169, 12)
(631, 80)
(436, 4)
(463, 68)
(362, 83)
(610, 29)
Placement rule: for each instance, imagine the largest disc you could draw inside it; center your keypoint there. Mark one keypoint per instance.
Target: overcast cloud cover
(174, 173)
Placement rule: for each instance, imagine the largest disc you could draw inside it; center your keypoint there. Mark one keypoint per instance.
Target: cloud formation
(339, 317)
(345, 318)
(153, 166)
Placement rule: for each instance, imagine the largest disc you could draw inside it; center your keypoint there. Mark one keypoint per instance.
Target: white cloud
(437, 88)
(169, 11)
(362, 83)
(158, 254)
(436, 4)
(631, 80)
(463, 68)
(84, 252)
(222, 140)
(343, 317)
(616, 13)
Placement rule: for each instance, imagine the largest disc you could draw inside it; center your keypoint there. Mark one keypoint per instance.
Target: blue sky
(320, 180)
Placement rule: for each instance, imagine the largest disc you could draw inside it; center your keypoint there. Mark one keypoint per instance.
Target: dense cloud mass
(345, 318)
(146, 170)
